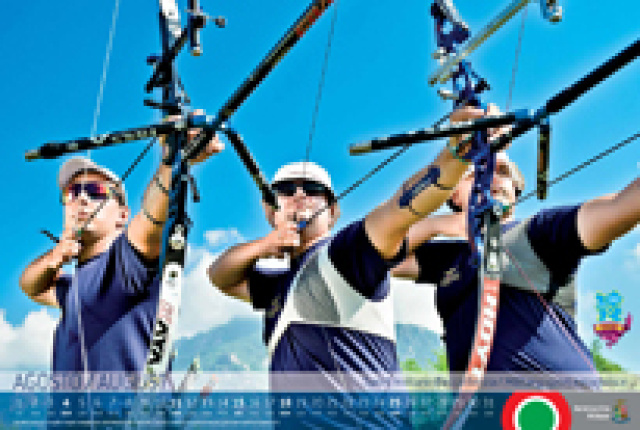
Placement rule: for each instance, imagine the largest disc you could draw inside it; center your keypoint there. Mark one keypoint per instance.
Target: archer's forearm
(145, 230)
(628, 201)
(156, 199)
(429, 200)
(452, 225)
(602, 220)
(41, 274)
(232, 267)
(388, 225)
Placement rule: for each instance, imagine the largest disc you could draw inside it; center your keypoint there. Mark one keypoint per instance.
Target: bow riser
(466, 88)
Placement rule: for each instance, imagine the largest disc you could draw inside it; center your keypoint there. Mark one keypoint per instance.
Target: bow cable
(514, 70)
(312, 129)
(583, 165)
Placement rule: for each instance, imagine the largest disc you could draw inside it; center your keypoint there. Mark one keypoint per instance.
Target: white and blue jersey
(118, 292)
(332, 309)
(547, 250)
(329, 315)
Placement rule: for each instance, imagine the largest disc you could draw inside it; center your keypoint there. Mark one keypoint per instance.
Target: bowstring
(321, 82)
(105, 67)
(312, 129)
(94, 126)
(553, 182)
(544, 302)
(372, 172)
(514, 69)
(549, 309)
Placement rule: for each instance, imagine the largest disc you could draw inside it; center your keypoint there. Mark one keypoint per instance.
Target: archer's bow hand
(470, 113)
(495, 133)
(214, 146)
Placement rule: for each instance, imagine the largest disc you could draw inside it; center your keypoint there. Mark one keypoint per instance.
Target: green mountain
(237, 345)
(234, 346)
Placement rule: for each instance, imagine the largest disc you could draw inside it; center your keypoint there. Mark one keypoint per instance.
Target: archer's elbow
(218, 277)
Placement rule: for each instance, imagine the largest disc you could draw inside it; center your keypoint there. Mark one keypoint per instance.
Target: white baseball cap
(304, 170)
(76, 165)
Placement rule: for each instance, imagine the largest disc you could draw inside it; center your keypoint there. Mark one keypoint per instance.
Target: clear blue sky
(376, 84)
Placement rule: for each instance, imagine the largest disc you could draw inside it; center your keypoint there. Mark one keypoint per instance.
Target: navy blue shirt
(118, 293)
(528, 337)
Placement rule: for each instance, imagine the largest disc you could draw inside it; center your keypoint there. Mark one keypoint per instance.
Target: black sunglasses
(310, 188)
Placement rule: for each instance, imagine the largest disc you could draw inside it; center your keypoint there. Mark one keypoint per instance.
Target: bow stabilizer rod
(169, 13)
(250, 163)
(57, 149)
(432, 133)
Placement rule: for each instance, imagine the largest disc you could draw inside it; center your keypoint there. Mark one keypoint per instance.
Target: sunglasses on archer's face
(97, 191)
(310, 188)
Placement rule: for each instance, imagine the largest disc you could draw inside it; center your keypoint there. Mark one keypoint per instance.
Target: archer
(109, 304)
(330, 313)
(536, 329)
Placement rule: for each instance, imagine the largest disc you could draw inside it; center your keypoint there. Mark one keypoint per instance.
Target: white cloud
(587, 315)
(415, 304)
(632, 259)
(216, 238)
(29, 344)
(203, 305)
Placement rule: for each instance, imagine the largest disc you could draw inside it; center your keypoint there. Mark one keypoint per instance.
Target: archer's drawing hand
(283, 238)
(66, 249)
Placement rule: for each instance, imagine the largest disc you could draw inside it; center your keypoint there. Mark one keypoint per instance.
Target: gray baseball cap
(76, 165)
